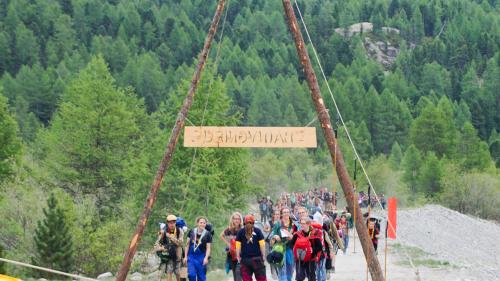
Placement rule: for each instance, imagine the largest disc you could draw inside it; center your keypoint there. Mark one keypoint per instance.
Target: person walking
(307, 247)
(285, 229)
(169, 247)
(198, 251)
(228, 235)
(250, 251)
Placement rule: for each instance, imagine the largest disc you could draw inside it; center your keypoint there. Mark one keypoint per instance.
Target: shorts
(172, 266)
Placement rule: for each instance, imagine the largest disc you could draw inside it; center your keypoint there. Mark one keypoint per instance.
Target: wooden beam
(265, 137)
(335, 153)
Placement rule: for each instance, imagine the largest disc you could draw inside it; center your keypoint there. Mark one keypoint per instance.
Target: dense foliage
(90, 90)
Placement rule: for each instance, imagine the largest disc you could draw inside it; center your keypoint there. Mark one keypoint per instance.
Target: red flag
(392, 217)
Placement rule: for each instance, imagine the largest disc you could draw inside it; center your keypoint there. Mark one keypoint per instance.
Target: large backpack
(277, 254)
(232, 250)
(302, 249)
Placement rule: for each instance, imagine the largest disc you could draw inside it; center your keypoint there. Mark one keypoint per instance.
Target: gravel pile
(470, 244)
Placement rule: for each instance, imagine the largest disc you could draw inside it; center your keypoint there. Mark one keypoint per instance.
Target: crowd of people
(300, 234)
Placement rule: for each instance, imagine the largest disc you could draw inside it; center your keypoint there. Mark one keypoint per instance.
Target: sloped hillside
(468, 243)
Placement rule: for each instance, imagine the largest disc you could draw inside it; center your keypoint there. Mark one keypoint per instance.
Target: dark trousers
(253, 266)
(305, 270)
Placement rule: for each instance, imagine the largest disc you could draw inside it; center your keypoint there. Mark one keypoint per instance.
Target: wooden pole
(174, 137)
(354, 211)
(335, 153)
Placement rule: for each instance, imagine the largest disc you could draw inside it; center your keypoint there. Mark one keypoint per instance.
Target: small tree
(2, 265)
(53, 242)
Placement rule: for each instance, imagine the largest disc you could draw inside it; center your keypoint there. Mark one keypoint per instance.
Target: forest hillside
(90, 89)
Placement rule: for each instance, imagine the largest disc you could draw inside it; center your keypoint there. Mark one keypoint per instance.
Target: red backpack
(232, 249)
(302, 250)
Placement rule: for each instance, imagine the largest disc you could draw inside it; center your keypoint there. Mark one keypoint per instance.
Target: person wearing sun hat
(168, 247)
(250, 250)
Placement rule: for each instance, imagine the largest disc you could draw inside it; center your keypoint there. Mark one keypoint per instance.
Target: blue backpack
(180, 223)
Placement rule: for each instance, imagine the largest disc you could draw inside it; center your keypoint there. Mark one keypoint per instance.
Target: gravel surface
(470, 244)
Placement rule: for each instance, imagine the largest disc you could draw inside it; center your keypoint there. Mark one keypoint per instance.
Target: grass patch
(418, 256)
(219, 275)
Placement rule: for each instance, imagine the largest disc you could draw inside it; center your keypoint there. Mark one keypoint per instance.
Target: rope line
(47, 270)
(343, 124)
(334, 102)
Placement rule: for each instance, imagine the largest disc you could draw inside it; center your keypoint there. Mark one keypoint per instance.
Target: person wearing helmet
(250, 251)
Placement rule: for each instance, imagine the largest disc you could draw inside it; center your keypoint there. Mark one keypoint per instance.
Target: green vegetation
(90, 90)
(418, 257)
(53, 242)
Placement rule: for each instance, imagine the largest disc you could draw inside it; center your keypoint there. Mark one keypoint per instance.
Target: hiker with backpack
(250, 251)
(285, 229)
(321, 265)
(198, 249)
(373, 231)
(307, 247)
(263, 206)
(344, 227)
(228, 235)
(169, 247)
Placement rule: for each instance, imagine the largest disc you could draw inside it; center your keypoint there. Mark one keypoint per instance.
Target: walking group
(299, 236)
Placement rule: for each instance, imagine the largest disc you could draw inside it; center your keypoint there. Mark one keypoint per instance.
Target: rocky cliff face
(381, 50)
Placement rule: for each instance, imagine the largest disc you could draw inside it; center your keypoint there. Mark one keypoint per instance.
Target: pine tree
(10, 145)
(53, 242)
(396, 156)
(2, 264)
(430, 175)
(411, 167)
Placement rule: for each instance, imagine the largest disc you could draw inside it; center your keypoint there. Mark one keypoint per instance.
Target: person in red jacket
(307, 256)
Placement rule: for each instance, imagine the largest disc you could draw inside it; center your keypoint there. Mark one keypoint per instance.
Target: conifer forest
(90, 91)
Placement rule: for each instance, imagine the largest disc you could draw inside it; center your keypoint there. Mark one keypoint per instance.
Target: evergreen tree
(411, 167)
(2, 264)
(53, 242)
(434, 131)
(10, 145)
(396, 156)
(95, 144)
(431, 172)
(473, 152)
(203, 185)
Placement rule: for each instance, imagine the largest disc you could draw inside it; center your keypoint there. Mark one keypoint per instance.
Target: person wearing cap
(168, 247)
(198, 248)
(250, 251)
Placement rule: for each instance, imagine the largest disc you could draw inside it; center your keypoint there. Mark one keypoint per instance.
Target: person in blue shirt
(198, 249)
(250, 251)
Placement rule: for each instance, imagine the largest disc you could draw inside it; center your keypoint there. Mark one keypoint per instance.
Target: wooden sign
(269, 137)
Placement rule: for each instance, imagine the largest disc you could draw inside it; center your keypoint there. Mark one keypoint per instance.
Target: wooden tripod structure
(323, 117)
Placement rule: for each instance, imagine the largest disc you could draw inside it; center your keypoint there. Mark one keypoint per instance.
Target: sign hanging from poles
(266, 137)
(392, 217)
